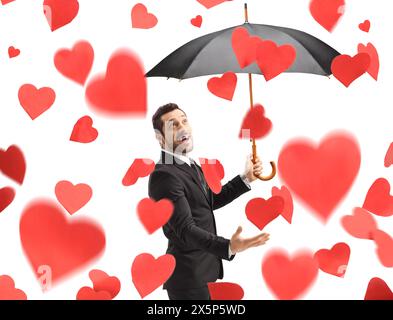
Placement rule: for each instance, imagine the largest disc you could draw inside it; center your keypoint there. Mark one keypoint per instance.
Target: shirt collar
(180, 156)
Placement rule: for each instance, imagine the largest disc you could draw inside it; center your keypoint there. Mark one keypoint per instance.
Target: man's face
(177, 132)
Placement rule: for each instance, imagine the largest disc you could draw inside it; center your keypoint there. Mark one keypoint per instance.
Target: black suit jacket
(191, 230)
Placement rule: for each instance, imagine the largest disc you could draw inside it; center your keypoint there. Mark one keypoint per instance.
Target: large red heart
(211, 3)
(377, 289)
(76, 63)
(284, 193)
(60, 12)
(225, 291)
(327, 12)
(83, 131)
(141, 18)
(103, 282)
(261, 212)
(361, 225)
(335, 260)
(378, 199)
(389, 156)
(13, 52)
(49, 239)
(245, 46)
(384, 244)
(87, 293)
(139, 168)
(154, 215)
(8, 290)
(213, 172)
(197, 21)
(122, 90)
(7, 195)
(148, 273)
(365, 26)
(73, 197)
(373, 69)
(36, 101)
(273, 60)
(13, 164)
(320, 175)
(347, 69)
(223, 87)
(286, 277)
(255, 125)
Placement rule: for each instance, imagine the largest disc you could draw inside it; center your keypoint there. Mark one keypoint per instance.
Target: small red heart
(211, 3)
(223, 87)
(7, 195)
(365, 26)
(197, 21)
(87, 293)
(273, 60)
(8, 290)
(284, 193)
(225, 291)
(307, 170)
(122, 90)
(384, 244)
(360, 225)
(335, 260)
(261, 212)
(378, 200)
(245, 46)
(35, 102)
(389, 156)
(3, 2)
(347, 69)
(255, 125)
(13, 52)
(286, 277)
(154, 215)
(73, 197)
(60, 12)
(373, 69)
(148, 273)
(377, 289)
(139, 168)
(76, 63)
(141, 18)
(13, 164)
(103, 282)
(83, 131)
(327, 12)
(49, 239)
(213, 172)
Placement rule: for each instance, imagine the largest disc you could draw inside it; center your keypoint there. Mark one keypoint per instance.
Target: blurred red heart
(261, 212)
(13, 52)
(245, 46)
(335, 260)
(103, 282)
(307, 170)
(361, 225)
(378, 199)
(3, 2)
(83, 131)
(211, 3)
(389, 156)
(8, 290)
(225, 291)
(384, 244)
(73, 197)
(139, 168)
(327, 12)
(148, 273)
(13, 164)
(213, 172)
(284, 193)
(373, 69)
(223, 87)
(36, 101)
(197, 21)
(141, 18)
(365, 26)
(60, 12)
(87, 293)
(347, 69)
(154, 215)
(377, 289)
(7, 195)
(255, 124)
(76, 63)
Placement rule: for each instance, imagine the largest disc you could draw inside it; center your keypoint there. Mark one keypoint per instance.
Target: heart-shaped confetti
(223, 87)
(335, 260)
(13, 164)
(378, 199)
(245, 46)
(8, 290)
(73, 197)
(7, 195)
(373, 69)
(60, 12)
(139, 168)
(327, 12)
(154, 215)
(285, 194)
(83, 131)
(261, 212)
(225, 291)
(347, 69)
(36, 101)
(360, 225)
(141, 18)
(255, 124)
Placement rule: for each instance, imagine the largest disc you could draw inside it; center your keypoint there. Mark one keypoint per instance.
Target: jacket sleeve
(165, 185)
(229, 192)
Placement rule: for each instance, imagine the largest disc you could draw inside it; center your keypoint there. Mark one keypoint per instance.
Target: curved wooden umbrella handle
(272, 164)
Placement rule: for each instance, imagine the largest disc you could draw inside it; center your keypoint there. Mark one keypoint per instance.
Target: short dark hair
(156, 119)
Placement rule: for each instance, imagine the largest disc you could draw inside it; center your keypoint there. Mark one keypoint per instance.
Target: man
(191, 230)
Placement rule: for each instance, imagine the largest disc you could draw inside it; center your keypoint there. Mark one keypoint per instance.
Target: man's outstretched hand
(239, 244)
(252, 171)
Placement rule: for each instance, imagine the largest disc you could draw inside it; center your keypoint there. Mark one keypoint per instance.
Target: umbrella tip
(246, 12)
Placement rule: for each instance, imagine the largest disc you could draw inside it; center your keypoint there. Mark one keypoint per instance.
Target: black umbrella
(213, 54)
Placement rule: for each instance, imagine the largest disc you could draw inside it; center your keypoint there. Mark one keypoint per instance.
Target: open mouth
(184, 138)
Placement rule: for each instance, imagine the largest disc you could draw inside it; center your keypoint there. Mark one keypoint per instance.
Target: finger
(256, 238)
(238, 231)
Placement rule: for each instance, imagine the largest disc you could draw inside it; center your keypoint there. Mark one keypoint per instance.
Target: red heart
(255, 124)
(261, 212)
(3, 2)
(211, 3)
(8, 290)
(154, 215)
(361, 225)
(373, 69)
(83, 131)
(389, 156)
(13, 164)
(60, 12)
(122, 90)
(35, 102)
(225, 291)
(223, 87)
(103, 282)
(71, 197)
(7, 195)
(285, 194)
(197, 21)
(335, 260)
(377, 289)
(287, 277)
(140, 168)
(384, 244)
(244, 46)
(87, 293)
(49, 239)
(141, 18)
(273, 60)
(76, 63)
(12, 52)
(308, 170)
(347, 69)
(365, 26)
(327, 12)
(213, 172)
(148, 273)
(378, 200)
